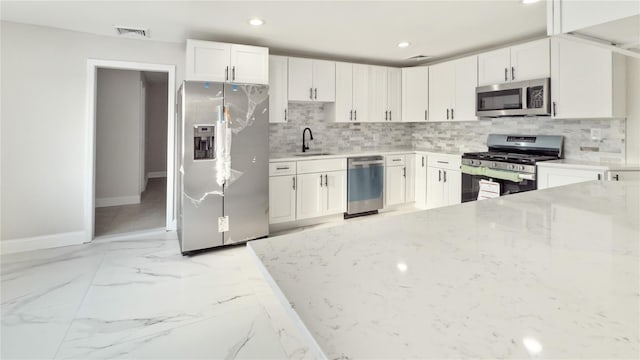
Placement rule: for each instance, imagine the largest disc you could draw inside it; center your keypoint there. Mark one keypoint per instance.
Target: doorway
(130, 184)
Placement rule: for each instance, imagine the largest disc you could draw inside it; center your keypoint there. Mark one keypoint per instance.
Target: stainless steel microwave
(522, 98)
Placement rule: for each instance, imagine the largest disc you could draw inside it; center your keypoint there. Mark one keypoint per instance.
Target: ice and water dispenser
(203, 142)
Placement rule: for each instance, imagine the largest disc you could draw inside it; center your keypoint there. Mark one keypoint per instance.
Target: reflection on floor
(139, 298)
(149, 214)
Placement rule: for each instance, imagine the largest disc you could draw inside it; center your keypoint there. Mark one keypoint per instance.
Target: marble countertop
(277, 157)
(551, 273)
(581, 164)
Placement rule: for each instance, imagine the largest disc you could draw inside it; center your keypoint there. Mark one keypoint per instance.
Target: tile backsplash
(455, 137)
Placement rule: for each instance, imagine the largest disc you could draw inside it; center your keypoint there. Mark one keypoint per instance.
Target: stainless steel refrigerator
(223, 162)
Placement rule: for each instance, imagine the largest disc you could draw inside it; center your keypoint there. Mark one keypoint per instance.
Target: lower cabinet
(395, 185)
(321, 194)
(282, 199)
(443, 187)
(420, 180)
(410, 161)
(549, 177)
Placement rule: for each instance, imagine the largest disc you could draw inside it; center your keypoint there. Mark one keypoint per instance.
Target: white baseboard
(156, 174)
(42, 242)
(115, 201)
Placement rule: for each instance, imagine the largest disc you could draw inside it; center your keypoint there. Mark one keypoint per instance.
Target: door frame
(90, 171)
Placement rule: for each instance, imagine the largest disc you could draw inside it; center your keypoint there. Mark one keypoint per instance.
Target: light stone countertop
(279, 157)
(591, 165)
(551, 273)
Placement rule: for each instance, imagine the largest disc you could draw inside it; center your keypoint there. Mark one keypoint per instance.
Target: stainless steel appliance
(223, 149)
(510, 163)
(365, 185)
(522, 98)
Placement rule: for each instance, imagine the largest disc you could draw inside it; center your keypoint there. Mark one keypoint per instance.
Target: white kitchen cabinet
(444, 181)
(394, 94)
(415, 94)
(573, 16)
(335, 193)
(282, 198)
(352, 93)
(310, 191)
(420, 181)
(549, 177)
(385, 89)
(410, 187)
(312, 80)
(215, 61)
(452, 88)
(395, 185)
(623, 175)
(587, 81)
(278, 103)
(520, 62)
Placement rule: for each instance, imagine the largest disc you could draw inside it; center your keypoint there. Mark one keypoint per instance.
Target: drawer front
(451, 162)
(324, 165)
(394, 160)
(282, 168)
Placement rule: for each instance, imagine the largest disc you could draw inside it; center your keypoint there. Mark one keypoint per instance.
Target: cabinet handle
(506, 74)
(351, 115)
(404, 172)
(444, 176)
(320, 180)
(311, 93)
(423, 161)
(355, 115)
(282, 168)
(451, 114)
(326, 180)
(554, 109)
(425, 115)
(385, 115)
(599, 177)
(616, 177)
(513, 73)
(226, 73)
(447, 114)
(294, 182)
(316, 93)
(233, 72)
(439, 175)
(285, 114)
(389, 115)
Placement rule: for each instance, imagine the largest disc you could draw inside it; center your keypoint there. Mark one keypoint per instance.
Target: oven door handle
(531, 177)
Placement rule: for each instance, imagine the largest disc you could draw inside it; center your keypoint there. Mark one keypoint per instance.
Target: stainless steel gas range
(509, 166)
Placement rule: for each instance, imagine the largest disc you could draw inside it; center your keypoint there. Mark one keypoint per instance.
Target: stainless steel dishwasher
(365, 185)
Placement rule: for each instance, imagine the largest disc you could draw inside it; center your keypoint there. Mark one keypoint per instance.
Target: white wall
(118, 137)
(156, 150)
(633, 110)
(44, 102)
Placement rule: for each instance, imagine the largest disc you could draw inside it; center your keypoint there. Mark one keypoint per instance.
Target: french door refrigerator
(223, 161)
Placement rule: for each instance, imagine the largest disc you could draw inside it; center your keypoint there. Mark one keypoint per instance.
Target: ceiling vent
(419, 58)
(132, 32)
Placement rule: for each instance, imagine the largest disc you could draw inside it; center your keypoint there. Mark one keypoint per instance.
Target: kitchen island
(552, 273)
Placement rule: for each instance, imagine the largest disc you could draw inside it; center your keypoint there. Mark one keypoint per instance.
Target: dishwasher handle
(353, 164)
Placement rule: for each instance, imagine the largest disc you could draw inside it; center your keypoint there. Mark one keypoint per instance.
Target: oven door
(471, 186)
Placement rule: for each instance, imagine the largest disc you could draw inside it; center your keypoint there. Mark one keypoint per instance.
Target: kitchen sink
(313, 154)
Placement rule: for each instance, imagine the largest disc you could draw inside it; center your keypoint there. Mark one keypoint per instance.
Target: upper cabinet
(214, 61)
(520, 62)
(384, 94)
(312, 80)
(415, 93)
(587, 81)
(278, 104)
(352, 94)
(452, 87)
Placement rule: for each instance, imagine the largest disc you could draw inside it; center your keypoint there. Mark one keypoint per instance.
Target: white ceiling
(359, 31)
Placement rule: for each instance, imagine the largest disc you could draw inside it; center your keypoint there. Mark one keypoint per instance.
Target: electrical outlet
(596, 134)
(223, 224)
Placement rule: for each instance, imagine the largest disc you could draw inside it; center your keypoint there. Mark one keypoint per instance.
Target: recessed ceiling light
(256, 21)
(403, 44)
(529, 1)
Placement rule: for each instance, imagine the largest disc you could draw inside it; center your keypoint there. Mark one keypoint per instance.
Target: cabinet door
(466, 81)
(581, 85)
(309, 195)
(552, 177)
(530, 61)
(493, 67)
(335, 192)
(410, 164)
(324, 81)
(394, 185)
(278, 111)
(421, 181)
(300, 79)
(249, 64)
(377, 94)
(207, 61)
(452, 182)
(394, 90)
(415, 93)
(435, 190)
(441, 88)
(282, 199)
(344, 92)
(360, 92)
